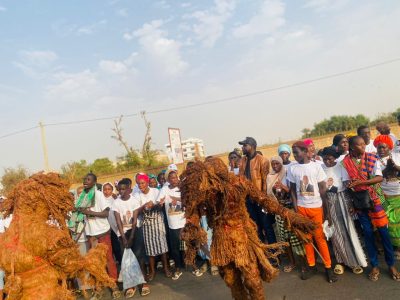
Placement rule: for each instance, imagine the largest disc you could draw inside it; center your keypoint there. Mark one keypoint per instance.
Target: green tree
(11, 178)
(102, 166)
(336, 124)
(75, 171)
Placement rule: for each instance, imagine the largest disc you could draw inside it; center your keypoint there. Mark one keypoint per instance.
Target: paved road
(286, 286)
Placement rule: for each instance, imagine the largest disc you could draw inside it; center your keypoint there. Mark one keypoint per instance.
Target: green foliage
(75, 171)
(102, 166)
(11, 178)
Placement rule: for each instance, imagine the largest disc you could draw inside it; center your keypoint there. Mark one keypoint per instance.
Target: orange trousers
(316, 215)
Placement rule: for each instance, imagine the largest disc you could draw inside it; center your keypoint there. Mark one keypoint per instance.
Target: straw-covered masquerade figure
(242, 259)
(37, 251)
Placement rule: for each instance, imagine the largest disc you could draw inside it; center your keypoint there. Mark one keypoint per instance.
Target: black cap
(249, 141)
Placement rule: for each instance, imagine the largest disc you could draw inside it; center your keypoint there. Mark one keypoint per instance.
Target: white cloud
(325, 5)
(90, 29)
(269, 18)
(118, 67)
(210, 23)
(35, 64)
(163, 51)
(2, 8)
(186, 4)
(73, 87)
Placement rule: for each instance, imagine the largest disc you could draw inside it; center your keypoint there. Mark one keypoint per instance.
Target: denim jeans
(368, 231)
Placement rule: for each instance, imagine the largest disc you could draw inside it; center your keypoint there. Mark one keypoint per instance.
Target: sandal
(130, 293)
(177, 275)
(358, 270)
(116, 294)
(288, 268)
(145, 290)
(339, 269)
(374, 275)
(395, 276)
(150, 277)
(197, 273)
(397, 255)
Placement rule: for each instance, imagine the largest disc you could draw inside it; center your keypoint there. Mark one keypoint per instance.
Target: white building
(192, 148)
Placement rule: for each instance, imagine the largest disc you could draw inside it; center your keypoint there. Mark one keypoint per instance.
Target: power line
(227, 99)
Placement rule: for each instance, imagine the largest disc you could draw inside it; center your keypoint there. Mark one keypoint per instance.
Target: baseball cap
(249, 141)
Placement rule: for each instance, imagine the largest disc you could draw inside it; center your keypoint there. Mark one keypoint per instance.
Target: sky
(63, 61)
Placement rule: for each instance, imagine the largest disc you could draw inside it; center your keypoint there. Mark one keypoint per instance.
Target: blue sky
(73, 60)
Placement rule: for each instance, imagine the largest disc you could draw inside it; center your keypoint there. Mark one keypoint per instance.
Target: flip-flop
(145, 290)
(130, 293)
(395, 276)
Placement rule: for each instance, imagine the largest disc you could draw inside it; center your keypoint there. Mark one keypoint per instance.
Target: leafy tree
(75, 171)
(102, 166)
(11, 178)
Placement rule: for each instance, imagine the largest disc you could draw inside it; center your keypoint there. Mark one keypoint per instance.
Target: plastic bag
(131, 272)
(328, 230)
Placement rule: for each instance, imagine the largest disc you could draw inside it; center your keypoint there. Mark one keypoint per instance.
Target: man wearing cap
(256, 168)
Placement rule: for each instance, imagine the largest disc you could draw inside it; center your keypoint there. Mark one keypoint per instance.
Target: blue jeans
(263, 221)
(369, 239)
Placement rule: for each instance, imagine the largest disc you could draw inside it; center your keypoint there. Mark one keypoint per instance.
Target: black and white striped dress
(155, 237)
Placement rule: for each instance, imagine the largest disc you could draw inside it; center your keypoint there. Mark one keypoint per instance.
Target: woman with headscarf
(345, 241)
(278, 186)
(390, 165)
(284, 151)
(312, 151)
(155, 239)
(365, 174)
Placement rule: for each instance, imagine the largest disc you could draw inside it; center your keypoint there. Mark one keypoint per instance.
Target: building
(192, 148)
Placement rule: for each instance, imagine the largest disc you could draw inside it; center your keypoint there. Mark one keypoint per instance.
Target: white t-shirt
(4, 223)
(287, 167)
(111, 216)
(396, 143)
(306, 178)
(336, 175)
(370, 147)
(141, 199)
(96, 225)
(390, 186)
(175, 213)
(125, 208)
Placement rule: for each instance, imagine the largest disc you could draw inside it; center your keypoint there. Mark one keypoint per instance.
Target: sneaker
(330, 276)
(177, 275)
(204, 267)
(307, 272)
(197, 273)
(159, 265)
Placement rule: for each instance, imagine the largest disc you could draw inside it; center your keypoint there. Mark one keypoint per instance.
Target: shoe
(330, 276)
(197, 273)
(307, 272)
(171, 262)
(159, 265)
(177, 275)
(204, 267)
(214, 270)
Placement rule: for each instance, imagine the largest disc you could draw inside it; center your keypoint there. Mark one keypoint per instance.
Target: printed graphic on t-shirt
(330, 185)
(306, 188)
(175, 209)
(127, 219)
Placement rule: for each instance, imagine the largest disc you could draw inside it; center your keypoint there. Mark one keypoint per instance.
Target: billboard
(176, 145)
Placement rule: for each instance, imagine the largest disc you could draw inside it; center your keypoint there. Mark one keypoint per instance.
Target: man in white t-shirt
(308, 192)
(97, 228)
(365, 133)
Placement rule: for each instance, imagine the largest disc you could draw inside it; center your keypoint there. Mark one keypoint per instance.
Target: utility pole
(44, 145)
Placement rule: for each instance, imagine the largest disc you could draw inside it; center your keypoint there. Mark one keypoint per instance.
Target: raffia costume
(242, 259)
(37, 251)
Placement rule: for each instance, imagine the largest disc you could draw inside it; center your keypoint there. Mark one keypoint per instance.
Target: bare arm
(102, 214)
(293, 195)
(323, 192)
(120, 228)
(372, 181)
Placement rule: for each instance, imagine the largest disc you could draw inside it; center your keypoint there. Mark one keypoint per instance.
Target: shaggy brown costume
(243, 260)
(37, 252)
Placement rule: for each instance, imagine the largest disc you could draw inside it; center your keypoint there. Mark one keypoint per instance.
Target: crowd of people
(350, 189)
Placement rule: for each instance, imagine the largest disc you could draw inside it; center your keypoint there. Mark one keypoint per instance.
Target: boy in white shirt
(308, 192)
